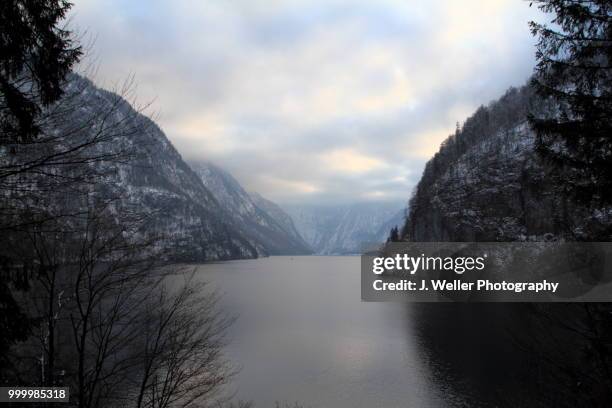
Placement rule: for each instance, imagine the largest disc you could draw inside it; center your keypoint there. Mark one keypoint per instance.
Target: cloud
(313, 100)
(350, 161)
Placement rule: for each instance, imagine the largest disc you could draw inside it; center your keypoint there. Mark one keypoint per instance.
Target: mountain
(344, 229)
(155, 179)
(487, 183)
(281, 217)
(397, 220)
(260, 219)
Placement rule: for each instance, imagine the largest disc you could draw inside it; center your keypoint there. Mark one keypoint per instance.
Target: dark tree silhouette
(394, 235)
(35, 57)
(574, 70)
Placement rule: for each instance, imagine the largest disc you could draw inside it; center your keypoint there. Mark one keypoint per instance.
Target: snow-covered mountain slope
(281, 217)
(258, 218)
(488, 184)
(154, 180)
(344, 229)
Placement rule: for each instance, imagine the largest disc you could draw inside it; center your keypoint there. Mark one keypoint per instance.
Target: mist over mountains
(485, 184)
(258, 218)
(204, 215)
(344, 229)
(204, 212)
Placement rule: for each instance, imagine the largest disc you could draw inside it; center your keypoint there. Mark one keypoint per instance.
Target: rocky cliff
(259, 219)
(486, 183)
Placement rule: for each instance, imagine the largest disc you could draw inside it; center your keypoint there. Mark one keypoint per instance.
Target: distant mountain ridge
(344, 229)
(258, 218)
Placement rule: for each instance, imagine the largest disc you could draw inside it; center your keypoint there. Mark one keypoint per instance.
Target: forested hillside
(487, 183)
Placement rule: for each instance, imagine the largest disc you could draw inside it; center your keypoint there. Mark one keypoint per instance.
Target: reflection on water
(475, 349)
(304, 335)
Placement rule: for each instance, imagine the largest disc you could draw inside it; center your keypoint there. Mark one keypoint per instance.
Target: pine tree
(36, 54)
(394, 235)
(574, 71)
(35, 57)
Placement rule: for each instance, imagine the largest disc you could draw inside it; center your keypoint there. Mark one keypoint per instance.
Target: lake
(303, 335)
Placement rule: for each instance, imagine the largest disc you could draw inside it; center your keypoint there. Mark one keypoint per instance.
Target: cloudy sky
(332, 101)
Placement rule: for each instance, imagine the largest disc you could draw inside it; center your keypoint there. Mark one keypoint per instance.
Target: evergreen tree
(36, 54)
(35, 57)
(394, 235)
(574, 71)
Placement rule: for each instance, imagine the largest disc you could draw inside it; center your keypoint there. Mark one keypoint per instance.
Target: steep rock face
(281, 217)
(155, 179)
(487, 184)
(344, 229)
(258, 218)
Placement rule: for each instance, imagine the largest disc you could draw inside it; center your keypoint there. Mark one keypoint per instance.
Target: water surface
(304, 335)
